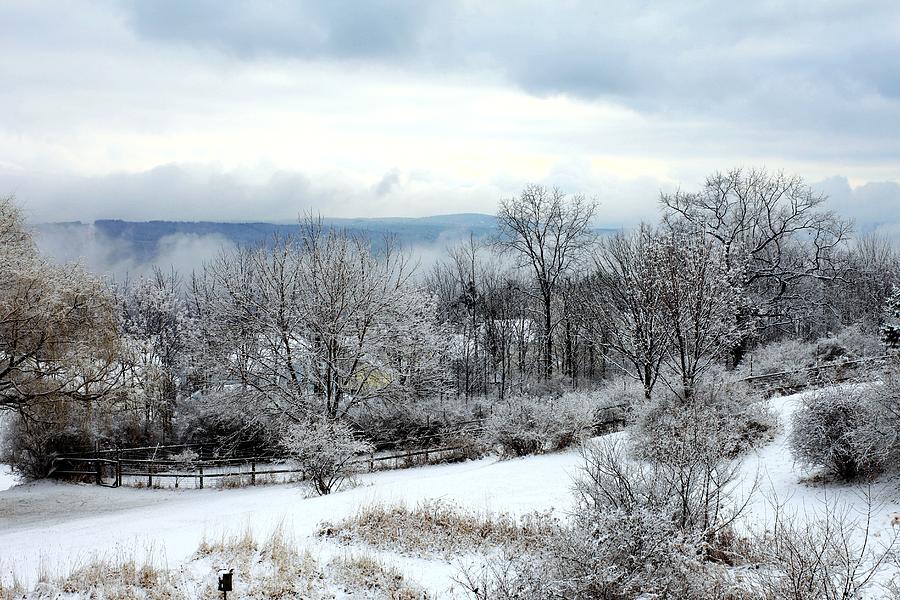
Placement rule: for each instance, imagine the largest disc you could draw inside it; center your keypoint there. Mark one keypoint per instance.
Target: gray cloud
(168, 191)
(261, 110)
(390, 180)
(789, 65)
(874, 206)
(203, 193)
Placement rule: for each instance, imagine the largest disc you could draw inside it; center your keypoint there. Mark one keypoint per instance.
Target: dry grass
(123, 577)
(11, 588)
(439, 528)
(277, 568)
(274, 567)
(367, 574)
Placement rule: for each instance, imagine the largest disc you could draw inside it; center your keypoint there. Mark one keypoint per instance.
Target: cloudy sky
(226, 110)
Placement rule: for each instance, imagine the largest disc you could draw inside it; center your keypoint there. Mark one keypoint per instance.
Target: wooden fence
(140, 465)
(121, 470)
(822, 374)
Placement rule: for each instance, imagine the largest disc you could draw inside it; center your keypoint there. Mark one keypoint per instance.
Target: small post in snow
(225, 577)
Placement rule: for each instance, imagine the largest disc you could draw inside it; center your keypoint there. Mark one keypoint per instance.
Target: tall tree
(549, 233)
(701, 300)
(774, 222)
(624, 298)
(157, 328)
(316, 325)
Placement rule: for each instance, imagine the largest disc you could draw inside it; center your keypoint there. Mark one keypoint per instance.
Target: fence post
(149, 475)
(201, 477)
(98, 467)
(118, 468)
(253, 473)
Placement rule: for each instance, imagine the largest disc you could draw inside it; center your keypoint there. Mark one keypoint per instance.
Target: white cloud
(250, 111)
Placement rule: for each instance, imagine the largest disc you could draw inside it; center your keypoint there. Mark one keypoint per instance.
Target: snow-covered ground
(779, 479)
(7, 478)
(61, 525)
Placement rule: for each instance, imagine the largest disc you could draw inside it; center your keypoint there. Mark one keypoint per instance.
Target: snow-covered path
(779, 479)
(60, 525)
(7, 478)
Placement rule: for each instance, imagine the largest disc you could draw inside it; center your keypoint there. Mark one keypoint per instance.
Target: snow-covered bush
(525, 425)
(693, 487)
(220, 418)
(722, 420)
(325, 451)
(860, 343)
(780, 357)
(827, 554)
(848, 344)
(845, 431)
(29, 448)
(611, 556)
(620, 395)
(415, 424)
(637, 532)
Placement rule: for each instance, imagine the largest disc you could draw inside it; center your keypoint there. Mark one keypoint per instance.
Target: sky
(235, 111)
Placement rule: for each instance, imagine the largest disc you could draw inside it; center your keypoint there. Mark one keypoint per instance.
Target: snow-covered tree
(549, 233)
(701, 299)
(625, 302)
(157, 329)
(773, 222)
(58, 326)
(318, 324)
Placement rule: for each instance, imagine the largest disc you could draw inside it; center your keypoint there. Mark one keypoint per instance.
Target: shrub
(859, 343)
(325, 450)
(439, 527)
(828, 554)
(417, 424)
(618, 397)
(781, 357)
(29, 448)
(636, 533)
(529, 425)
(217, 419)
(845, 431)
(722, 420)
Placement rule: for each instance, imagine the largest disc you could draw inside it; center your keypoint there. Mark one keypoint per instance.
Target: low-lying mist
(137, 253)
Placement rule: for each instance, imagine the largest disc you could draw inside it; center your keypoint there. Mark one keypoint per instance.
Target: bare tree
(701, 299)
(775, 223)
(549, 233)
(317, 325)
(156, 330)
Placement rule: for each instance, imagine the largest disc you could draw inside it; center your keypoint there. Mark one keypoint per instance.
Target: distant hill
(109, 242)
(117, 247)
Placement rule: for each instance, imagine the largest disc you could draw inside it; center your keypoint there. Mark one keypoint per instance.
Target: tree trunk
(548, 344)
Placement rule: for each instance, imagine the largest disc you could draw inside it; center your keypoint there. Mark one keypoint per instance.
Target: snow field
(45, 525)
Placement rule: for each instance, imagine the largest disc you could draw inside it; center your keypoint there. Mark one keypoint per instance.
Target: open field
(52, 526)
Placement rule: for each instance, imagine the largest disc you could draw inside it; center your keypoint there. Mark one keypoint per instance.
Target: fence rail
(830, 372)
(115, 472)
